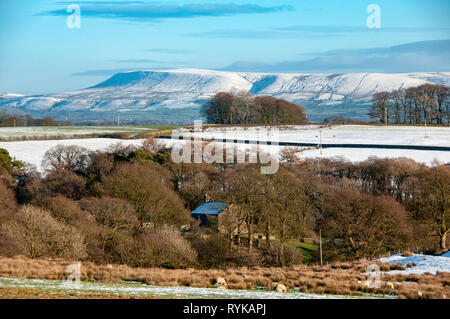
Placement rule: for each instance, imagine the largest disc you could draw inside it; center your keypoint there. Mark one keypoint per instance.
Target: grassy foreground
(31, 293)
(335, 279)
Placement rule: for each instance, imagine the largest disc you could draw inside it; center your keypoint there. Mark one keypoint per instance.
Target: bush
(114, 213)
(292, 256)
(212, 251)
(5, 160)
(64, 183)
(272, 257)
(35, 233)
(100, 165)
(65, 210)
(163, 248)
(7, 202)
(179, 252)
(407, 254)
(7, 163)
(7, 209)
(68, 211)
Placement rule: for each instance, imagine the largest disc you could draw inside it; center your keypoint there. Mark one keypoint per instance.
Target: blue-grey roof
(211, 208)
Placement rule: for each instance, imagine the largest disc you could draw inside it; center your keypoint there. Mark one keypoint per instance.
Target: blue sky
(40, 54)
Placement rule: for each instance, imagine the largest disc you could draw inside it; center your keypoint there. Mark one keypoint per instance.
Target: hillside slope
(189, 88)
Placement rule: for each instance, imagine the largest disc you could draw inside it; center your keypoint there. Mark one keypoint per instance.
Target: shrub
(100, 165)
(65, 183)
(69, 212)
(292, 256)
(162, 248)
(65, 210)
(115, 213)
(29, 185)
(7, 163)
(212, 251)
(272, 257)
(408, 254)
(5, 160)
(179, 251)
(7, 201)
(36, 233)
(7, 209)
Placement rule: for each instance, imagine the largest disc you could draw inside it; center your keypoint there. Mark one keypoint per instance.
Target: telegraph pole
(320, 141)
(320, 246)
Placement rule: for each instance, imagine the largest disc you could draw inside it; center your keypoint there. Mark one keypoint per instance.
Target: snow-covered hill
(175, 89)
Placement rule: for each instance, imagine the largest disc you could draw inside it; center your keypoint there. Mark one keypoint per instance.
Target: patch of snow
(48, 131)
(345, 134)
(348, 134)
(33, 152)
(142, 290)
(424, 263)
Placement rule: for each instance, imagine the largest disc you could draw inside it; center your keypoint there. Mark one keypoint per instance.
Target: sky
(42, 53)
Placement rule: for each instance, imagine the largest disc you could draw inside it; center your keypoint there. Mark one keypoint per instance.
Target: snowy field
(142, 290)
(350, 154)
(340, 134)
(49, 131)
(347, 134)
(32, 152)
(360, 155)
(424, 263)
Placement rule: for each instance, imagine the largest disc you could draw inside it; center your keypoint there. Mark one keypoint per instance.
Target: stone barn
(207, 214)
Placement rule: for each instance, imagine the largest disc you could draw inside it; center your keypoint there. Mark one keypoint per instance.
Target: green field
(308, 250)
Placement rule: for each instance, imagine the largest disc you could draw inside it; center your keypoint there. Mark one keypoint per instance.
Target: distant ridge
(149, 90)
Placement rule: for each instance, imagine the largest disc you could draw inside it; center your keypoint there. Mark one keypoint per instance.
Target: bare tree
(381, 107)
(425, 103)
(61, 157)
(430, 200)
(150, 194)
(36, 233)
(231, 223)
(357, 225)
(225, 108)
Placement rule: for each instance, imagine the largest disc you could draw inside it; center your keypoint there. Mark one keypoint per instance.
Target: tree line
(428, 103)
(13, 120)
(131, 205)
(227, 108)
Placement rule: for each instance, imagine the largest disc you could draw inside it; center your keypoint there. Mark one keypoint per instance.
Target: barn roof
(210, 208)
